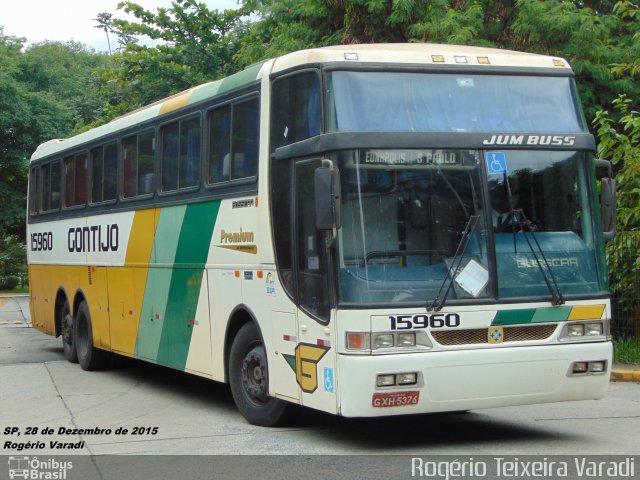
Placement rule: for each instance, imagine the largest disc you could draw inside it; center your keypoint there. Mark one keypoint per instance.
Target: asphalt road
(193, 416)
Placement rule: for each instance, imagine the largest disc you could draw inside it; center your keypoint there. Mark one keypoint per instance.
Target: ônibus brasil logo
(33, 468)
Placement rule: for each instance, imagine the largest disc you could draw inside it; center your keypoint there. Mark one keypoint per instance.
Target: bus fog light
(383, 340)
(358, 341)
(407, 378)
(594, 328)
(597, 367)
(386, 380)
(575, 330)
(580, 367)
(406, 340)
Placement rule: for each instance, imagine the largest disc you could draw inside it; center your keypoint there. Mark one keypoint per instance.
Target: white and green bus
(364, 230)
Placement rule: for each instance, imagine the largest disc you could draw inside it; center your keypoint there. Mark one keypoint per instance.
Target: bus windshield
(404, 213)
(438, 102)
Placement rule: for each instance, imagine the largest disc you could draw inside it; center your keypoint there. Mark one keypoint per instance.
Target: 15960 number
(421, 320)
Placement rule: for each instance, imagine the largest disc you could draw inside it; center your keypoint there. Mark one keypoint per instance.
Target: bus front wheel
(249, 380)
(89, 357)
(67, 333)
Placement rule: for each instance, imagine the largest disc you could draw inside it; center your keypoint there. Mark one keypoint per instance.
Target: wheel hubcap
(253, 375)
(67, 328)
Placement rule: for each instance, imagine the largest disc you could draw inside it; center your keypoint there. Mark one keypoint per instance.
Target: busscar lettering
(96, 238)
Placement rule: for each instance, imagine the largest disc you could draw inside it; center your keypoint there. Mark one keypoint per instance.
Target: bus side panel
(97, 297)
(225, 294)
(42, 302)
(123, 308)
(199, 356)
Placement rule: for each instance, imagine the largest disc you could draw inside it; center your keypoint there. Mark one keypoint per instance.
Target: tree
(193, 45)
(588, 33)
(619, 141)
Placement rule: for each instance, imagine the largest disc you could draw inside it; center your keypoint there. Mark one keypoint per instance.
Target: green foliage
(619, 141)
(193, 45)
(44, 91)
(13, 257)
(590, 34)
(627, 350)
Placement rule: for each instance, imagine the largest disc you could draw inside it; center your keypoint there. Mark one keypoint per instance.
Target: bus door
(315, 354)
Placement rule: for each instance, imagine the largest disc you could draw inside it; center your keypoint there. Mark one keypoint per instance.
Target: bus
(365, 230)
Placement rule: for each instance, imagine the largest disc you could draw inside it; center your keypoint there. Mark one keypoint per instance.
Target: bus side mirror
(327, 196)
(608, 204)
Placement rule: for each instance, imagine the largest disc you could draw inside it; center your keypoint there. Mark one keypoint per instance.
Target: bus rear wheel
(67, 333)
(249, 380)
(89, 357)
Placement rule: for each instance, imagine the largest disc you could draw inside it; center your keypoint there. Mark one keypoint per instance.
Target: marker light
(386, 380)
(358, 341)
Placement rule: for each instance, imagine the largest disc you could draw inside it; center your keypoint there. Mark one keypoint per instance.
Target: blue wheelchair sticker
(328, 380)
(496, 163)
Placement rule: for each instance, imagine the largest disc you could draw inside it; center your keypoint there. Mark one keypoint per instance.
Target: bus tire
(67, 333)
(89, 357)
(249, 380)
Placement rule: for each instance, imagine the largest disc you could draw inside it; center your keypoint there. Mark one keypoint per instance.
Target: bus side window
(110, 164)
(97, 174)
(75, 174)
(245, 133)
(180, 154)
(233, 141)
(138, 165)
(220, 145)
(34, 191)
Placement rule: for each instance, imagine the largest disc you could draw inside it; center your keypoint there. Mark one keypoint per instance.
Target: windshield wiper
(469, 228)
(517, 217)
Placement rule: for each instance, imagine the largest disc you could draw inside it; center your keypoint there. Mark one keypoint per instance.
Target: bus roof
(408, 53)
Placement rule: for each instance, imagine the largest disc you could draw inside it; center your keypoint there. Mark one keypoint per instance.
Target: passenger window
(103, 172)
(34, 191)
(233, 141)
(75, 174)
(138, 176)
(181, 154)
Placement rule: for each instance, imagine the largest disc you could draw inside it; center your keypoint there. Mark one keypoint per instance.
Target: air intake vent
(479, 335)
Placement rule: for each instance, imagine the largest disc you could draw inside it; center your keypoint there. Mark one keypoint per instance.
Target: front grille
(477, 336)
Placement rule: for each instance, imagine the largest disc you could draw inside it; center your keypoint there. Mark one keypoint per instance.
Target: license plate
(395, 399)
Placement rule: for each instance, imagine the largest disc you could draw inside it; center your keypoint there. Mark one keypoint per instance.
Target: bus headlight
(384, 340)
(584, 331)
(575, 330)
(406, 340)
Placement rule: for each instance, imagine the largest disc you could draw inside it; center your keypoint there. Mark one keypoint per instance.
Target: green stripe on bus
(531, 315)
(246, 76)
(156, 293)
(186, 280)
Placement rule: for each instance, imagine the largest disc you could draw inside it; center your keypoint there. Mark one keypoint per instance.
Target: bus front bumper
(470, 379)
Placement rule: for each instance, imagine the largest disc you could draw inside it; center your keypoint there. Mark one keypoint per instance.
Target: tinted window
(296, 111)
(233, 141)
(181, 154)
(137, 165)
(75, 173)
(103, 173)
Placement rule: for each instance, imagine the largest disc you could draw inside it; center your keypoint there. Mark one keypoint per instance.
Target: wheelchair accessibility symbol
(328, 380)
(496, 163)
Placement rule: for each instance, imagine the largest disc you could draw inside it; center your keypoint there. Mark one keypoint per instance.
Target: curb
(625, 375)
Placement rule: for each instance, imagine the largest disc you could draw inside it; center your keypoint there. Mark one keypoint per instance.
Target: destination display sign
(425, 159)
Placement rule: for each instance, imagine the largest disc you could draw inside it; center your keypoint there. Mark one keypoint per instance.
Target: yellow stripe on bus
(586, 312)
(141, 238)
